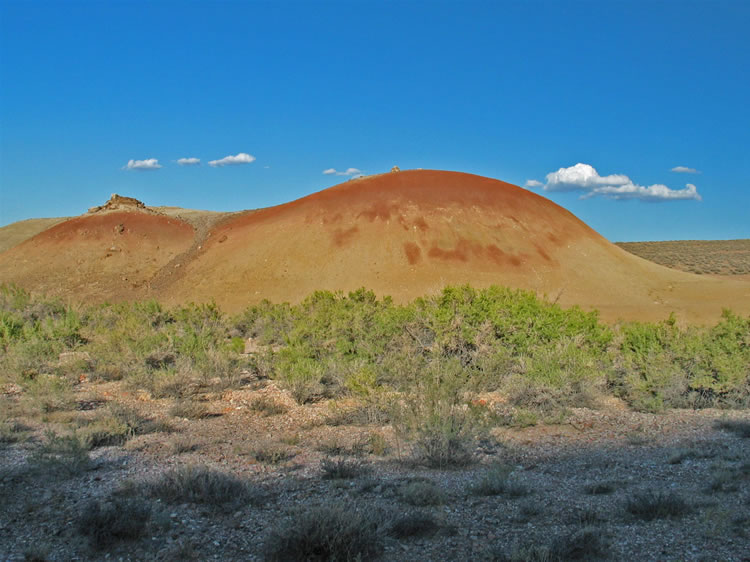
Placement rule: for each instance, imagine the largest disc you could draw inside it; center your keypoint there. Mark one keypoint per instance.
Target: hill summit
(119, 202)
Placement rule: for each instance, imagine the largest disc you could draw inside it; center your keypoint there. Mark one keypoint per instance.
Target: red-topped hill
(404, 234)
(104, 255)
(410, 233)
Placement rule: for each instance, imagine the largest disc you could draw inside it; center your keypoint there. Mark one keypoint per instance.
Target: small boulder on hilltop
(395, 169)
(119, 202)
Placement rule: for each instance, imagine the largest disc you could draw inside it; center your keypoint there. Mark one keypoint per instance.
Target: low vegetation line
(436, 353)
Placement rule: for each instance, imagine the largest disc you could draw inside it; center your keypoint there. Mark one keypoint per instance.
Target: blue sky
(510, 90)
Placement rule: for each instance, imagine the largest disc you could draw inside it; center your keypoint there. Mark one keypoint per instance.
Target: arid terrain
(329, 423)
(717, 257)
(570, 488)
(403, 234)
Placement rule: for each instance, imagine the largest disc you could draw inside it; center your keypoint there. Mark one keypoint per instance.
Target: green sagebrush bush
(438, 418)
(662, 365)
(542, 357)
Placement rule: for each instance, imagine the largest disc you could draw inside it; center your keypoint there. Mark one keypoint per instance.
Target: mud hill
(15, 233)
(404, 234)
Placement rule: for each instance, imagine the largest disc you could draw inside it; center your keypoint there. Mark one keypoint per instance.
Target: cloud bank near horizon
(241, 158)
(348, 172)
(147, 164)
(584, 178)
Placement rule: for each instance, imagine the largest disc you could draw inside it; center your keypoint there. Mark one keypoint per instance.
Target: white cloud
(685, 170)
(581, 176)
(241, 158)
(533, 183)
(189, 161)
(348, 172)
(585, 178)
(656, 192)
(147, 164)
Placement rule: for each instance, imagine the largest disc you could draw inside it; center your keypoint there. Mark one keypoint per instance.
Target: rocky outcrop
(119, 203)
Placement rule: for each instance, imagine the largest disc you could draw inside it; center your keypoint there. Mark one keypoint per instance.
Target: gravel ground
(552, 470)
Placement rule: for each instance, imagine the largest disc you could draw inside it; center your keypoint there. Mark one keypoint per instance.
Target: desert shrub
(740, 428)
(329, 532)
(145, 336)
(338, 469)
(583, 544)
(200, 485)
(118, 518)
(128, 332)
(267, 406)
(328, 339)
(349, 326)
(650, 504)
(496, 482)
(197, 329)
(377, 444)
(555, 377)
(12, 431)
(690, 453)
(217, 369)
(371, 408)
(182, 444)
(600, 488)
(421, 493)
(413, 524)
(114, 426)
(437, 416)
(61, 455)
(189, 409)
(271, 453)
(662, 365)
(587, 517)
(33, 332)
(304, 376)
(528, 510)
(267, 322)
(160, 359)
(105, 431)
(518, 320)
(724, 480)
(137, 424)
(49, 393)
(181, 384)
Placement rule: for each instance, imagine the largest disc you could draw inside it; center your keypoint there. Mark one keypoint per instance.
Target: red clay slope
(410, 233)
(95, 257)
(404, 234)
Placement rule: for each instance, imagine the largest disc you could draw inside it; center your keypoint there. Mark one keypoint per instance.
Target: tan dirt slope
(404, 234)
(410, 233)
(15, 233)
(98, 257)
